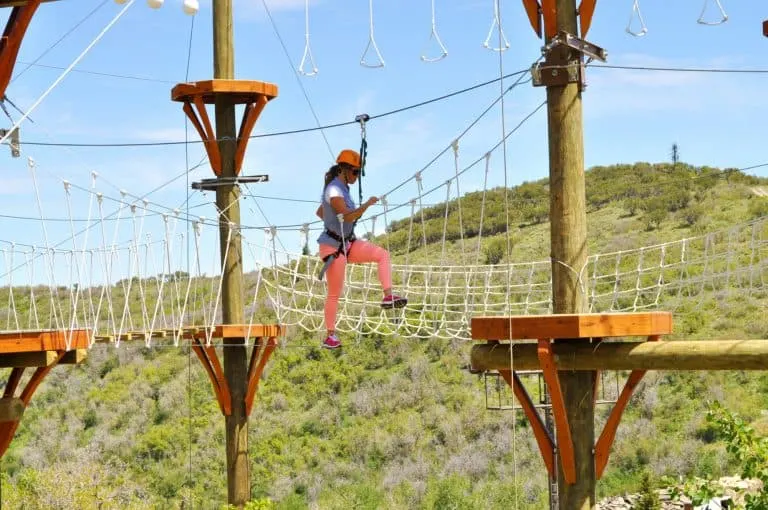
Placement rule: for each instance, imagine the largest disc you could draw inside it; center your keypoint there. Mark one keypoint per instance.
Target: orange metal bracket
(250, 116)
(586, 11)
(210, 361)
(562, 428)
(604, 443)
(259, 358)
(206, 132)
(540, 432)
(8, 429)
(10, 43)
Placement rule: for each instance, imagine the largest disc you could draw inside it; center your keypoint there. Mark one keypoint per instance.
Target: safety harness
(345, 244)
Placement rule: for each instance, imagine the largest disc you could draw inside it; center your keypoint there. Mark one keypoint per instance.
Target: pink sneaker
(331, 342)
(393, 301)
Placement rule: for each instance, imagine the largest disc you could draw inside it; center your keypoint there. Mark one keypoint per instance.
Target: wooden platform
(571, 326)
(587, 330)
(253, 94)
(237, 91)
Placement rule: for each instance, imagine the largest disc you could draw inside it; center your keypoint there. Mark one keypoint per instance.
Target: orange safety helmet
(350, 157)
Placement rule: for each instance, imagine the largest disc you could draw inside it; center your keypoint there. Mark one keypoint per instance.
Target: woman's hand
(371, 201)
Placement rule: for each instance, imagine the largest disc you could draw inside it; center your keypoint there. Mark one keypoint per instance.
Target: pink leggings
(360, 252)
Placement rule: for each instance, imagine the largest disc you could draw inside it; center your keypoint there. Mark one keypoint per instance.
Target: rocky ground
(733, 489)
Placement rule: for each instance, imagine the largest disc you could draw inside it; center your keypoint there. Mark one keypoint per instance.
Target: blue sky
(717, 119)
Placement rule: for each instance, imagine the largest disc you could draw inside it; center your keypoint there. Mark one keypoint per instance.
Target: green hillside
(394, 422)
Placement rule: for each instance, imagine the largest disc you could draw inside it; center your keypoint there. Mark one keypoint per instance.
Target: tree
(649, 499)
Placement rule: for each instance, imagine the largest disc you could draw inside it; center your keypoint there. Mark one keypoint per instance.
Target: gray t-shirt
(336, 188)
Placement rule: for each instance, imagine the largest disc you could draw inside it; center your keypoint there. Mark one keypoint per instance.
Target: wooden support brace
(549, 12)
(563, 428)
(11, 409)
(586, 11)
(10, 43)
(259, 357)
(250, 116)
(8, 428)
(205, 130)
(540, 432)
(210, 361)
(605, 441)
(533, 10)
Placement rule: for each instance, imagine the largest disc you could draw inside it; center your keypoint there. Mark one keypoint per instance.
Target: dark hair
(331, 174)
(334, 172)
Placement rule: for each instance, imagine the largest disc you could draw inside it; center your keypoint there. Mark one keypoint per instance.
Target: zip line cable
(288, 132)
(56, 43)
(298, 79)
(397, 110)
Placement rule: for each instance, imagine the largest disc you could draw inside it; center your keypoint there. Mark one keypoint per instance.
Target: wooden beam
(36, 341)
(74, 357)
(28, 359)
(670, 355)
(19, 3)
(11, 409)
(572, 325)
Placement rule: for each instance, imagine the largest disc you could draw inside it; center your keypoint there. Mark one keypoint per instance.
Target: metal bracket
(13, 141)
(548, 75)
(212, 184)
(551, 74)
(586, 48)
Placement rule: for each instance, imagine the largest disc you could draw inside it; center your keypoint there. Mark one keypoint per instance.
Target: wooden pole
(661, 355)
(569, 253)
(228, 204)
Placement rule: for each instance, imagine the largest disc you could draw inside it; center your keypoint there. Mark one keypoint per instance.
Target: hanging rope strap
(371, 42)
(639, 15)
(307, 57)
(503, 43)
(434, 35)
(723, 15)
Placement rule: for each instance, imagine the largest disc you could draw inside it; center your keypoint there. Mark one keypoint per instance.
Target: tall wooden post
(569, 253)
(227, 202)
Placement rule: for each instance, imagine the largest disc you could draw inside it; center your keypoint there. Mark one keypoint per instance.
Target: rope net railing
(142, 288)
(444, 298)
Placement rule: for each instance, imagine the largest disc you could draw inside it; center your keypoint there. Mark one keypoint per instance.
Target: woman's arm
(319, 212)
(338, 205)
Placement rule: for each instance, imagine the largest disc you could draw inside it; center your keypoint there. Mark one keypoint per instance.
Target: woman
(337, 201)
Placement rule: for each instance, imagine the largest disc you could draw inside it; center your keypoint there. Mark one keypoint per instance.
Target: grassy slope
(388, 423)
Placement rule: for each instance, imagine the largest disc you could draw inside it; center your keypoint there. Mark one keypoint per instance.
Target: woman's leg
(335, 280)
(363, 251)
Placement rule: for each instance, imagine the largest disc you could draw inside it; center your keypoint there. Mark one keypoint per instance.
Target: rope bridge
(140, 287)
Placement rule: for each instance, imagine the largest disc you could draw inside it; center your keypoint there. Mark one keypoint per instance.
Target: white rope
(11, 301)
(434, 35)
(307, 56)
(496, 23)
(371, 42)
(723, 14)
(639, 15)
(65, 72)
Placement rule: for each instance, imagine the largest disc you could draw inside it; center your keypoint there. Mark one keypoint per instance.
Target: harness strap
(328, 260)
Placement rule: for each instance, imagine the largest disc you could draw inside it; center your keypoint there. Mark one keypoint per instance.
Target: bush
(649, 499)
